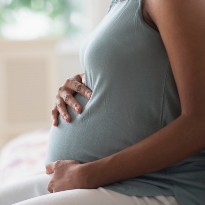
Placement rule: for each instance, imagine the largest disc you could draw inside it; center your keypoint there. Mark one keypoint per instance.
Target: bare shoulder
(190, 11)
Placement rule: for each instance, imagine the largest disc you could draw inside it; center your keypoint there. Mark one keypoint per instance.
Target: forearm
(182, 138)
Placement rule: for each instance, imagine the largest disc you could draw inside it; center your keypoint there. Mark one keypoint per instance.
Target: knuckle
(78, 77)
(59, 100)
(57, 163)
(61, 90)
(78, 86)
(74, 162)
(69, 81)
(59, 105)
(67, 97)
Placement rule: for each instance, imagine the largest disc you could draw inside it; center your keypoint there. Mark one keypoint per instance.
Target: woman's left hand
(67, 175)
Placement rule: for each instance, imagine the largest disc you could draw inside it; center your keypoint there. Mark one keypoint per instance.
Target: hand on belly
(65, 97)
(66, 175)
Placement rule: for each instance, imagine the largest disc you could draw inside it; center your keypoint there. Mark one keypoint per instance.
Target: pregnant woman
(132, 132)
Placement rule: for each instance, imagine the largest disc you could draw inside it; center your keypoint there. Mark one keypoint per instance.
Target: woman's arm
(177, 141)
(182, 27)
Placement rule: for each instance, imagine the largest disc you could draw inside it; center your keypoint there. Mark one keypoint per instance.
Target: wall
(30, 74)
(28, 71)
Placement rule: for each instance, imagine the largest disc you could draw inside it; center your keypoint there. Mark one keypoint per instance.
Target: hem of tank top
(178, 199)
(140, 8)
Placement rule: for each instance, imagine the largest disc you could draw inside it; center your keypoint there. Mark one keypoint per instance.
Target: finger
(68, 98)
(83, 78)
(78, 87)
(61, 107)
(50, 189)
(50, 168)
(55, 165)
(71, 101)
(55, 114)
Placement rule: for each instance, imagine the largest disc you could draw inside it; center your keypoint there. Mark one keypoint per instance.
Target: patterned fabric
(24, 156)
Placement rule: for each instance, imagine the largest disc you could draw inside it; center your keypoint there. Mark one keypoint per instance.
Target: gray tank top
(134, 95)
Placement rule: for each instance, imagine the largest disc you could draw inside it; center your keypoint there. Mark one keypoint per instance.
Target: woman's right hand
(65, 97)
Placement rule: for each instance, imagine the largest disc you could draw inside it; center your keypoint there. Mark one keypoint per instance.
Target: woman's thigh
(24, 189)
(98, 196)
(33, 191)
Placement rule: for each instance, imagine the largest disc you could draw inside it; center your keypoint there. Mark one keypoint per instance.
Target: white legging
(33, 191)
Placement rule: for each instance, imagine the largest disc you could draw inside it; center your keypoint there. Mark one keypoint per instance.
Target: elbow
(194, 111)
(195, 116)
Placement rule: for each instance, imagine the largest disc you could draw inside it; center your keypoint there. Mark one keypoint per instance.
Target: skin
(181, 26)
(65, 97)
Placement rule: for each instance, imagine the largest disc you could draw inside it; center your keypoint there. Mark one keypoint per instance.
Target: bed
(23, 156)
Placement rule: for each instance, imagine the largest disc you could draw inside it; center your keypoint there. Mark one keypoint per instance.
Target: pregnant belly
(97, 132)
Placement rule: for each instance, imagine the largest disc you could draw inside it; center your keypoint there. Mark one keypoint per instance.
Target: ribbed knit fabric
(134, 95)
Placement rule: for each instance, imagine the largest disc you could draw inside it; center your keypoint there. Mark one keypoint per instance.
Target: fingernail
(88, 94)
(55, 123)
(77, 108)
(66, 118)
